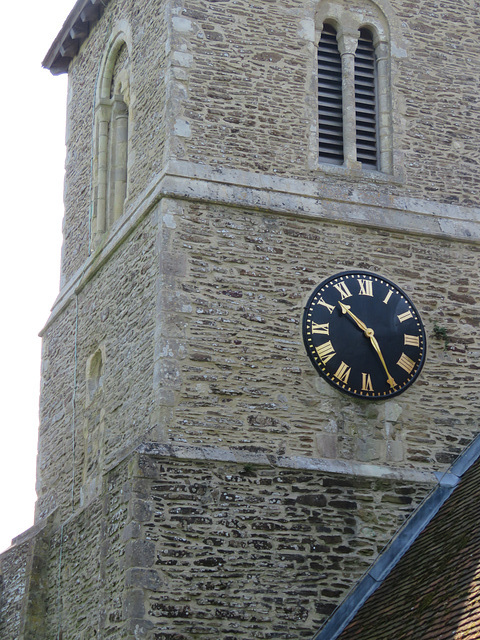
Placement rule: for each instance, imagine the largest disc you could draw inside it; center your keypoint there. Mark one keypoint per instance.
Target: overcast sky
(33, 151)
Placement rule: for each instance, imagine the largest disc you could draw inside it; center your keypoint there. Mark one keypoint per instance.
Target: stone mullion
(384, 111)
(119, 156)
(347, 45)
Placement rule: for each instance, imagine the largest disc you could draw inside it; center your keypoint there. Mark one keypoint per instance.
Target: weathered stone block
(139, 553)
(144, 578)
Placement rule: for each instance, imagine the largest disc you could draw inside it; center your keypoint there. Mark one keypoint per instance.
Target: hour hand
(346, 309)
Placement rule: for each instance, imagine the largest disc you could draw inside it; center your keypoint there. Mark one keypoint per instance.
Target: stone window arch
(362, 33)
(112, 128)
(94, 374)
(91, 442)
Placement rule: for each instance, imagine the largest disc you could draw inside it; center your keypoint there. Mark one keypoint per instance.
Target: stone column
(384, 111)
(103, 119)
(347, 45)
(120, 142)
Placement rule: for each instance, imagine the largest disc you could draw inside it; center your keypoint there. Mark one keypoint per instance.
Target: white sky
(32, 109)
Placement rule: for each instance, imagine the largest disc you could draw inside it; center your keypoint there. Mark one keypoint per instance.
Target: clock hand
(369, 334)
(376, 346)
(346, 309)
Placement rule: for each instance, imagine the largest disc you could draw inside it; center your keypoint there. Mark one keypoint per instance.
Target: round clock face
(364, 335)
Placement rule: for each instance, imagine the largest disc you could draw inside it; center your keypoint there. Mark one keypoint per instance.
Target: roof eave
(75, 30)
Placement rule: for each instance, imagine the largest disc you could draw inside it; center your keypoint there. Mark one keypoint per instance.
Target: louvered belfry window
(361, 145)
(365, 101)
(330, 118)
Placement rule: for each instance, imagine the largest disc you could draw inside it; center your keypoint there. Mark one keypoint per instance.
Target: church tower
(199, 475)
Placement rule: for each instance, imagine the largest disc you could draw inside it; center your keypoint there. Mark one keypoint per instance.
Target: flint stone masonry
(242, 548)
(13, 579)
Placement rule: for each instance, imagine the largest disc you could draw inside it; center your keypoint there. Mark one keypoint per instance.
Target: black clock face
(364, 335)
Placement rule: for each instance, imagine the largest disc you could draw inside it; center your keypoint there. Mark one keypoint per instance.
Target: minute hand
(373, 340)
(369, 334)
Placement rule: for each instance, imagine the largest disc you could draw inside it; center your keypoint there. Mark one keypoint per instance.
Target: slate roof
(433, 591)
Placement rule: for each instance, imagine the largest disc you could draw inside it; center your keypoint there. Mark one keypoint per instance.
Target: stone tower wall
(147, 41)
(88, 422)
(233, 85)
(251, 84)
(190, 458)
(241, 376)
(198, 314)
(177, 547)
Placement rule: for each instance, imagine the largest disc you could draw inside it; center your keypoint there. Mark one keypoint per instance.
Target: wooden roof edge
(399, 545)
(74, 31)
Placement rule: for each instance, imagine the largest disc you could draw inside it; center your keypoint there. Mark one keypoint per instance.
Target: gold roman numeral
(387, 297)
(320, 328)
(342, 288)
(406, 363)
(343, 372)
(366, 288)
(412, 341)
(405, 316)
(325, 351)
(325, 304)
(366, 382)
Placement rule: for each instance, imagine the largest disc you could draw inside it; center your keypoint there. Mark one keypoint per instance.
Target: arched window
(354, 94)
(330, 118)
(366, 100)
(94, 375)
(112, 133)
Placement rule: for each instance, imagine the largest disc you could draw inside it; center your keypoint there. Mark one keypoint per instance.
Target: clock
(364, 335)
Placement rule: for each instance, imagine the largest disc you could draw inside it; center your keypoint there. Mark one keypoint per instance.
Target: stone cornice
(243, 457)
(282, 196)
(75, 30)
